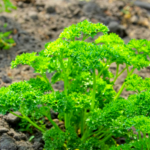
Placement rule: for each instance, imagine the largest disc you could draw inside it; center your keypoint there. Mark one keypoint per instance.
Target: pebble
(3, 130)
(20, 4)
(142, 4)
(7, 143)
(6, 79)
(50, 9)
(113, 26)
(1, 56)
(11, 119)
(33, 15)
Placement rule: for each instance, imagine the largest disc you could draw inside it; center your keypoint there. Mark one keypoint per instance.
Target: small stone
(113, 25)
(11, 132)
(134, 19)
(53, 114)
(16, 71)
(91, 8)
(7, 143)
(50, 9)
(3, 130)
(37, 145)
(26, 68)
(62, 127)
(56, 121)
(21, 52)
(20, 4)
(121, 141)
(61, 123)
(142, 4)
(22, 145)
(19, 136)
(33, 15)
(38, 137)
(6, 79)
(12, 119)
(1, 56)
(48, 125)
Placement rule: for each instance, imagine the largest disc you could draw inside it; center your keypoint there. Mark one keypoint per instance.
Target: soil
(36, 22)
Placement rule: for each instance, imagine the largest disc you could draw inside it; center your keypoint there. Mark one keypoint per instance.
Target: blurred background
(36, 22)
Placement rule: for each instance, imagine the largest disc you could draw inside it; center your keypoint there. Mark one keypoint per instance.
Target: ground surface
(37, 22)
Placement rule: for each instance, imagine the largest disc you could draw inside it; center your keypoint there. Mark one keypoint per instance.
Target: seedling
(5, 41)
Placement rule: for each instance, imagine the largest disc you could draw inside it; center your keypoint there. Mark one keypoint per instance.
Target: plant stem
(82, 121)
(86, 134)
(127, 69)
(107, 63)
(28, 119)
(16, 115)
(45, 77)
(123, 86)
(99, 131)
(94, 90)
(85, 37)
(106, 138)
(100, 135)
(117, 69)
(53, 123)
(100, 73)
(65, 86)
(4, 43)
(118, 75)
(34, 124)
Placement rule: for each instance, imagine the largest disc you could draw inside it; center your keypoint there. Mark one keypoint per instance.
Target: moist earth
(36, 22)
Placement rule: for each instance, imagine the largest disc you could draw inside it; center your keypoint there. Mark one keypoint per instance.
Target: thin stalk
(123, 85)
(100, 73)
(28, 119)
(34, 124)
(127, 69)
(99, 131)
(82, 121)
(85, 37)
(106, 138)
(45, 77)
(86, 134)
(139, 133)
(66, 93)
(118, 75)
(100, 135)
(107, 63)
(65, 86)
(53, 123)
(94, 90)
(16, 115)
(4, 43)
(117, 71)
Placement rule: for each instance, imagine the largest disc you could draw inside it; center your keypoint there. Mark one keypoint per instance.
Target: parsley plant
(94, 114)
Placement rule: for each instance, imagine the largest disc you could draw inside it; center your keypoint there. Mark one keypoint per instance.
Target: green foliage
(134, 145)
(137, 84)
(6, 5)
(85, 28)
(5, 41)
(93, 112)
